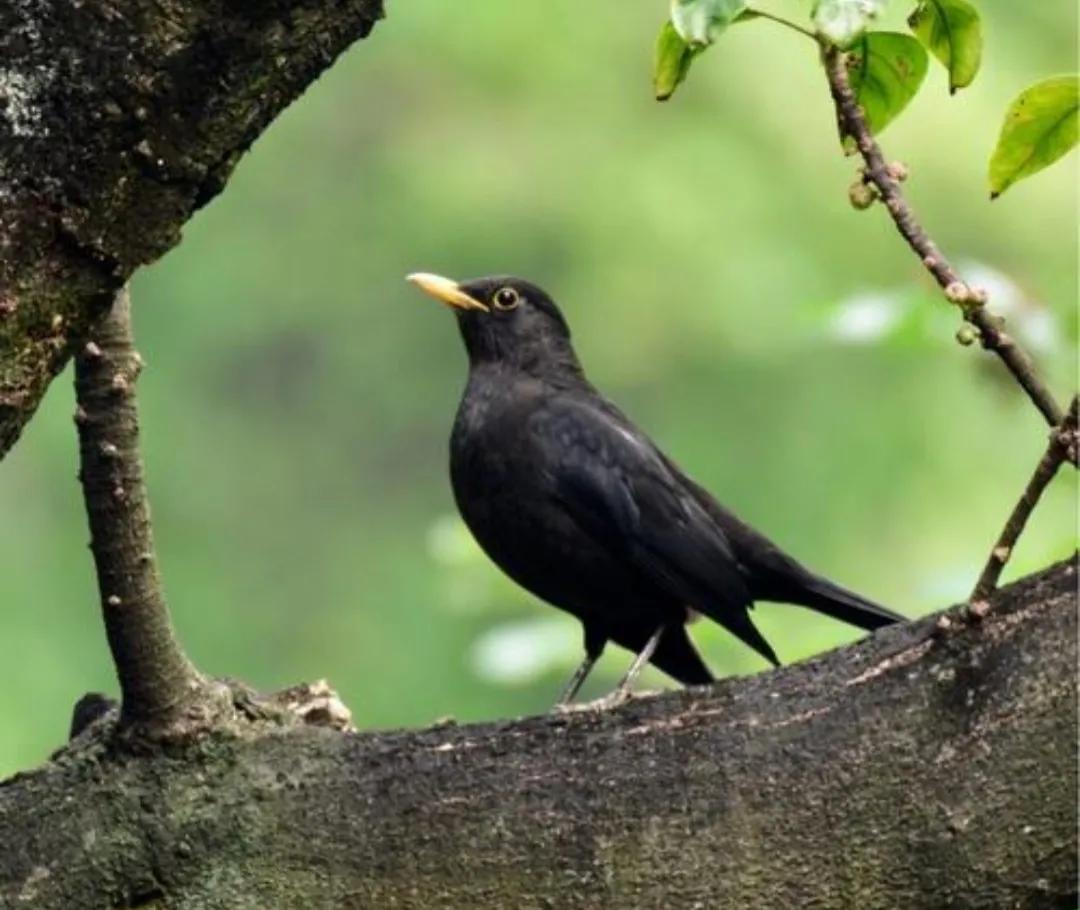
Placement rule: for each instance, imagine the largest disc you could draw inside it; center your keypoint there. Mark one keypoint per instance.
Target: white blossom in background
(1034, 323)
(867, 317)
(517, 653)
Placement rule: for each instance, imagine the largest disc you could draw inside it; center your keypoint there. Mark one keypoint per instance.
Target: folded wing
(620, 491)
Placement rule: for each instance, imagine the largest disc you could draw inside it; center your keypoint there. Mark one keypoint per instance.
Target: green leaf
(885, 70)
(1039, 127)
(673, 59)
(842, 21)
(952, 31)
(674, 56)
(699, 22)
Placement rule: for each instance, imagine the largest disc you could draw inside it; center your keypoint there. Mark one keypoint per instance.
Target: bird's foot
(615, 699)
(569, 707)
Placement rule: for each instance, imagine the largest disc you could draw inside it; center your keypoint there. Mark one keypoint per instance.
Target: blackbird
(581, 508)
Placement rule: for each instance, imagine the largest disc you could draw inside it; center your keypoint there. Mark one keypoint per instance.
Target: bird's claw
(615, 699)
(566, 707)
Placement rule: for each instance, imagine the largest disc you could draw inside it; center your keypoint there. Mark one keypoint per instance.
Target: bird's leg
(576, 681)
(621, 693)
(595, 641)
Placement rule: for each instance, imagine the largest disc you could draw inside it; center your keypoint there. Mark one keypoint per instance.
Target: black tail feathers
(831, 599)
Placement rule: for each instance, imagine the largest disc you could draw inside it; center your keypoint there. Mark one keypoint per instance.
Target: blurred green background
(786, 350)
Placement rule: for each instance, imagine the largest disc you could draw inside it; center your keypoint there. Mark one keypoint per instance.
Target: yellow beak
(445, 291)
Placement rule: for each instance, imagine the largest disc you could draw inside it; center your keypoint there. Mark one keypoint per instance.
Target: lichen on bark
(931, 765)
(116, 124)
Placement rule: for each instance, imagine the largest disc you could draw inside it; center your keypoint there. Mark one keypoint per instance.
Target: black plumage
(578, 506)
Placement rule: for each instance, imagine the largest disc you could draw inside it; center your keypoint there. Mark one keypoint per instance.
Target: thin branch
(972, 302)
(157, 681)
(1063, 445)
(780, 20)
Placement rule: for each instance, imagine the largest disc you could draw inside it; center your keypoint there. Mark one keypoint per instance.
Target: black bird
(577, 505)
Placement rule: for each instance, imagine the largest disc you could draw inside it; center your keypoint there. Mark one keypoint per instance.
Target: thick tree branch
(1062, 447)
(972, 301)
(117, 121)
(157, 682)
(932, 765)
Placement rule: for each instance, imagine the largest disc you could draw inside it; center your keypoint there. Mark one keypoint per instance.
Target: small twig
(972, 302)
(780, 20)
(1063, 444)
(157, 681)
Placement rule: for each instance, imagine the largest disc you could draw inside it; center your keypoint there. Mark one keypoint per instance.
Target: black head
(506, 321)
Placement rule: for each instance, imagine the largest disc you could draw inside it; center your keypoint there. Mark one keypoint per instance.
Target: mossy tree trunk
(933, 765)
(118, 121)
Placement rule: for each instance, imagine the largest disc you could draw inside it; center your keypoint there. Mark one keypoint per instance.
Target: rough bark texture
(117, 121)
(157, 681)
(933, 765)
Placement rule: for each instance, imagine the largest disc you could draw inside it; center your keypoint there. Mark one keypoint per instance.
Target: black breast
(506, 497)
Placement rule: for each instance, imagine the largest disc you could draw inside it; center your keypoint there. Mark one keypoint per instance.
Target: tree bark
(932, 765)
(158, 683)
(118, 121)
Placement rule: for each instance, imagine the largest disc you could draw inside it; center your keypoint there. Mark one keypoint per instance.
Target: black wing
(772, 574)
(619, 490)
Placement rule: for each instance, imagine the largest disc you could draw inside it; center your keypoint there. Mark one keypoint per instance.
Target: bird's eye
(506, 299)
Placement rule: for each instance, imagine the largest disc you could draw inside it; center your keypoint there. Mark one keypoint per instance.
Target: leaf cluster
(887, 69)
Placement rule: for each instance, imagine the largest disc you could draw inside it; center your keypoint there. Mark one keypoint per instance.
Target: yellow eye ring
(506, 299)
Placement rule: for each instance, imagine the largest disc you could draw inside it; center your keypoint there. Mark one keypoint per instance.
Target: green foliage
(1039, 128)
(842, 21)
(885, 70)
(674, 56)
(699, 22)
(673, 59)
(952, 31)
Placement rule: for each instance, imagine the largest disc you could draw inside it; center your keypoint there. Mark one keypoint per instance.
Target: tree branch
(971, 301)
(157, 682)
(1062, 447)
(117, 122)
(930, 765)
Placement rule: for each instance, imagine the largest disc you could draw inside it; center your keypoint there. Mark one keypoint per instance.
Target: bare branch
(157, 681)
(971, 301)
(1063, 445)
